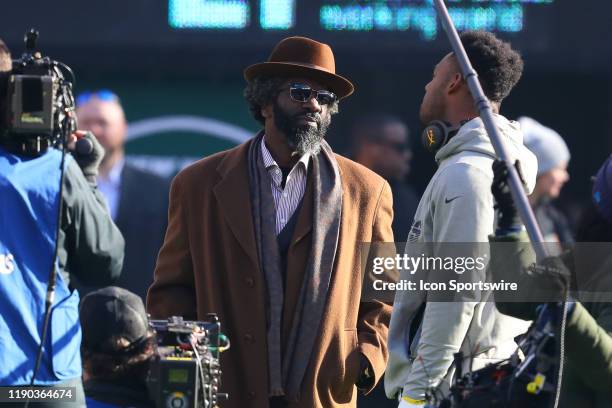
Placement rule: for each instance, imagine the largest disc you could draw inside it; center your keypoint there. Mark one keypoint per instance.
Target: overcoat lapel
(233, 195)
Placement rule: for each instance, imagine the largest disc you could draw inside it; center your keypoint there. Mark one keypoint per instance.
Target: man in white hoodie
(457, 207)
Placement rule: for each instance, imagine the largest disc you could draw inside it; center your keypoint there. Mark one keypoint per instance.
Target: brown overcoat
(208, 263)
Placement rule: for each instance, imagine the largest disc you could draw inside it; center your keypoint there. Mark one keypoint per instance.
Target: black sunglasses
(303, 93)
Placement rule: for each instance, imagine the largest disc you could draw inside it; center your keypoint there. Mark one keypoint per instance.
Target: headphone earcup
(435, 135)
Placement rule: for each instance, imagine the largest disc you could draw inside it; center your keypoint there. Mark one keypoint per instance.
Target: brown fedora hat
(302, 57)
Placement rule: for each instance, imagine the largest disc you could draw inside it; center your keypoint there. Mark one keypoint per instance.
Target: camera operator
(587, 376)
(88, 244)
(117, 348)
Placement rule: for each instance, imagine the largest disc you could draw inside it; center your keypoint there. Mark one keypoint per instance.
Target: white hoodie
(457, 206)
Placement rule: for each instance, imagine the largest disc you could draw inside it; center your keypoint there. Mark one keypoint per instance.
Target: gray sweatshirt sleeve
(462, 212)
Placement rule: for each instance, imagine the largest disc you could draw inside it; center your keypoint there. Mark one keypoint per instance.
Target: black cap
(112, 312)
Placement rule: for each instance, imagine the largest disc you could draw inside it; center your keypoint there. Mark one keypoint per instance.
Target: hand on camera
(87, 151)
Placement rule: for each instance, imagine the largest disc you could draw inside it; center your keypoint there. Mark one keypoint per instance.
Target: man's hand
(87, 152)
(546, 281)
(366, 374)
(508, 217)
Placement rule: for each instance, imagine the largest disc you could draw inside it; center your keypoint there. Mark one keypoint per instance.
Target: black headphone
(437, 133)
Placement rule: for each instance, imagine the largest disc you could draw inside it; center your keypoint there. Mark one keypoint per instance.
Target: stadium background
(169, 58)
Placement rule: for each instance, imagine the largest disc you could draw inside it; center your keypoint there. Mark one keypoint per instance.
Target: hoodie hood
(473, 137)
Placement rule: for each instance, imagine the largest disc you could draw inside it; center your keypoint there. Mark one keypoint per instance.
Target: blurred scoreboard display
(548, 29)
(166, 21)
(391, 15)
(412, 21)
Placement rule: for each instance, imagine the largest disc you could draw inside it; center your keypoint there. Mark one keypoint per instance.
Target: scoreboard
(553, 32)
(417, 16)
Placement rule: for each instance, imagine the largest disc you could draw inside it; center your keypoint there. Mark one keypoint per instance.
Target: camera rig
(514, 383)
(185, 372)
(39, 105)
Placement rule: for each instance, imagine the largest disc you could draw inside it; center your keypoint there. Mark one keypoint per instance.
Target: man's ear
(455, 83)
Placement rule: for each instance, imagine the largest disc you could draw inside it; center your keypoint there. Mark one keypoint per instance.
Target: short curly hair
(499, 67)
(262, 91)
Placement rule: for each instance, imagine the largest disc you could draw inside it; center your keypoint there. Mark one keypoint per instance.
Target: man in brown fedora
(267, 235)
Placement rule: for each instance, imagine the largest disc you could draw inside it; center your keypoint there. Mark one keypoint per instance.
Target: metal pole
(486, 114)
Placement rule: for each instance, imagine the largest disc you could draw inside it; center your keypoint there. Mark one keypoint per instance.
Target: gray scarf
(287, 371)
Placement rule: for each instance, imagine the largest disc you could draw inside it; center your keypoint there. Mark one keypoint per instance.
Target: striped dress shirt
(286, 200)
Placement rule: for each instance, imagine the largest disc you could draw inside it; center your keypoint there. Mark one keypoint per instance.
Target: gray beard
(305, 141)
(302, 140)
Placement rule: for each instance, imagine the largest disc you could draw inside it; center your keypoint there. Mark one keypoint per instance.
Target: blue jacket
(29, 200)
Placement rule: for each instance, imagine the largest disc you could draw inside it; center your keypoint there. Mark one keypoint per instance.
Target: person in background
(137, 199)
(117, 348)
(553, 156)
(586, 269)
(381, 142)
